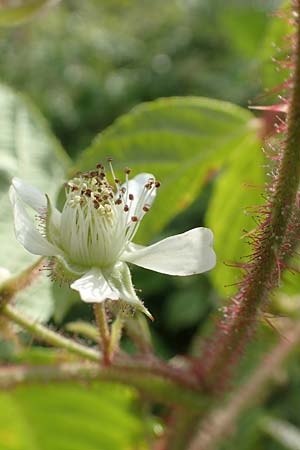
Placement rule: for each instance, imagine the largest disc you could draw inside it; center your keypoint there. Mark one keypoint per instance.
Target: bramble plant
(81, 220)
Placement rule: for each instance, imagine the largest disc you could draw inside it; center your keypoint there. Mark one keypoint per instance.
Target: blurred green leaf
(186, 307)
(275, 46)
(182, 141)
(245, 28)
(236, 189)
(69, 417)
(13, 14)
(28, 150)
(64, 299)
(284, 432)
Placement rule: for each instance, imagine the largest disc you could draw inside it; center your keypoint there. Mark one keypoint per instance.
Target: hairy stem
(10, 287)
(51, 337)
(101, 319)
(263, 271)
(154, 387)
(221, 422)
(123, 363)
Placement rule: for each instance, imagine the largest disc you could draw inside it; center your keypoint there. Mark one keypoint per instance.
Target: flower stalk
(105, 338)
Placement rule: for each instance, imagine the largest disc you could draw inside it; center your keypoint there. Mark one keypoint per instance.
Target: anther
(127, 170)
(109, 159)
(118, 201)
(93, 173)
(126, 208)
(131, 197)
(117, 181)
(88, 192)
(157, 184)
(100, 166)
(146, 208)
(134, 219)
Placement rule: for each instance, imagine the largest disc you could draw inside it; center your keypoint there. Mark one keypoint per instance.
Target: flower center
(98, 219)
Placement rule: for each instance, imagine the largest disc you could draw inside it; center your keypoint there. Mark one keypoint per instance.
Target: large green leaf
(13, 14)
(69, 417)
(182, 141)
(27, 150)
(237, 188)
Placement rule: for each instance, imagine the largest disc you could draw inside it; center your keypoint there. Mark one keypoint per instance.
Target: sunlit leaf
(238, 187)
(69, 417)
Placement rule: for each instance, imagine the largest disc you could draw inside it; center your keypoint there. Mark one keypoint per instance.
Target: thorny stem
(101, 320)
(263, 273)
(221, 422)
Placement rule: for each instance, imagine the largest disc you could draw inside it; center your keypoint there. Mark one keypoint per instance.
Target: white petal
(112, 283)
(141, 196)
(25, 231)
(93, 287)
(184, 254)
(53, 220)
(30, 195)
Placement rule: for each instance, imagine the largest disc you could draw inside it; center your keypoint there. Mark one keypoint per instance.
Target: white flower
(91, 239)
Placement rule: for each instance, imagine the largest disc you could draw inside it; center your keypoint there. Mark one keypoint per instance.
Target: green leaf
(29, 151)
(244, 27)
(186, 306)
(182, 141)
(69, 417)
(12, 14)
(274, 47)
(237, 188)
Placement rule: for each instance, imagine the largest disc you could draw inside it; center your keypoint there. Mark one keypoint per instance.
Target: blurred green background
(84, 64)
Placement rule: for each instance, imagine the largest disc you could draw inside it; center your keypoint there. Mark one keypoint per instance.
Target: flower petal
(53, 219)
(141, 196)
(184, 254)
(112, 283)
(30, 195)
(93, 287)
(25, 231)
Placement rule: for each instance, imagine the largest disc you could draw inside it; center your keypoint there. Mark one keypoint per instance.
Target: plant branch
(51, 337)
(124, 363)
(154, 387)
(221, 421)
